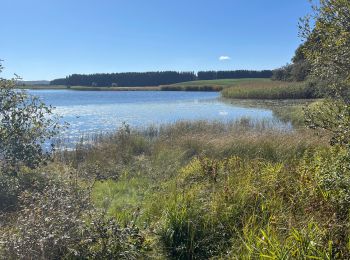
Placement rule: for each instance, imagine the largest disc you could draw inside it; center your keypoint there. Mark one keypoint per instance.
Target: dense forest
(234, 74)
(132, 79)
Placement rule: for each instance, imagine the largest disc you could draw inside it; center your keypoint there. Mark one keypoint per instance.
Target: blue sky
(47, 39)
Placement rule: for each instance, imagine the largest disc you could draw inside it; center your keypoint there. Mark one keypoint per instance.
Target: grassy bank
(270, 90)
(198, 190)
(201, 190)
(209, 85)
(85, 88)
(43, 87)
(287, 110)
(200, 85)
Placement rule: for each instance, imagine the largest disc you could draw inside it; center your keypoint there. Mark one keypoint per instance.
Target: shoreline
(83, 88)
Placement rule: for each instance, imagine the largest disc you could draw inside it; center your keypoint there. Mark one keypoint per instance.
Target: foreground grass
(191, 190)
(270, 90)
(230, 191)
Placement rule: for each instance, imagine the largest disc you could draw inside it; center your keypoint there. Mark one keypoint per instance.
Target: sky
(48, 39)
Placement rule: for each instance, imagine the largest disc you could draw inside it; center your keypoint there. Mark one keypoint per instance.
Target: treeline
(234, 74)
(126, 79)
(132, 79)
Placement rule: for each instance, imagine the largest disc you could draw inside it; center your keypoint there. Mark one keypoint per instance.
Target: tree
(328, 43)
(327, 32)
(283, 73)
(26, 124)
(297, 71)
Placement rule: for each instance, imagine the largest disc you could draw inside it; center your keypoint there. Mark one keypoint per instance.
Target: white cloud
(222, 58)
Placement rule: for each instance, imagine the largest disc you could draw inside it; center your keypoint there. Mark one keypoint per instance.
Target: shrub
(59, 222)
(25, 125)
(9, 190)
(332, 173)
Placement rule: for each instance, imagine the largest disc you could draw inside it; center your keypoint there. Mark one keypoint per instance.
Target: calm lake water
(100, 111)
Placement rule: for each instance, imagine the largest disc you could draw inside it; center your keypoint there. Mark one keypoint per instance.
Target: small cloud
(222, 58)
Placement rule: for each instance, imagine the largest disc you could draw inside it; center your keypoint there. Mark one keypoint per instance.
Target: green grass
(209, 85)
(293, 111)
(287, 110)
(199, 190)
(122, 198)
(270, 90)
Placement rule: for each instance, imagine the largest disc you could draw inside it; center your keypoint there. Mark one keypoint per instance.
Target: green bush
(9, 191)
(60, 222)
(25, 125)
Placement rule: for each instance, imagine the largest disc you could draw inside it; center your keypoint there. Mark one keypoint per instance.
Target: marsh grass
(271, 90)
(201, 190)
(210, 85)
(252, 209)
(287, 111)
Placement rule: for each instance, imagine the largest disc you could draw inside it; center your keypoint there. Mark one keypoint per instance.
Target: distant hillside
(157, 78)
(33, 82)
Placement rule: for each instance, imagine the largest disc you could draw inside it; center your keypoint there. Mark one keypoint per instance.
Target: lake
(102, 111)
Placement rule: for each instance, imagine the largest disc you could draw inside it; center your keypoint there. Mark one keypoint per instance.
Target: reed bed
(271, 90)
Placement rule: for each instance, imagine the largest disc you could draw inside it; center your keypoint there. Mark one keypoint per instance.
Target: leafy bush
(47, 223)
(9, 191)
(59, 222)
(26, 124)
(326, 31)
(332, 173)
